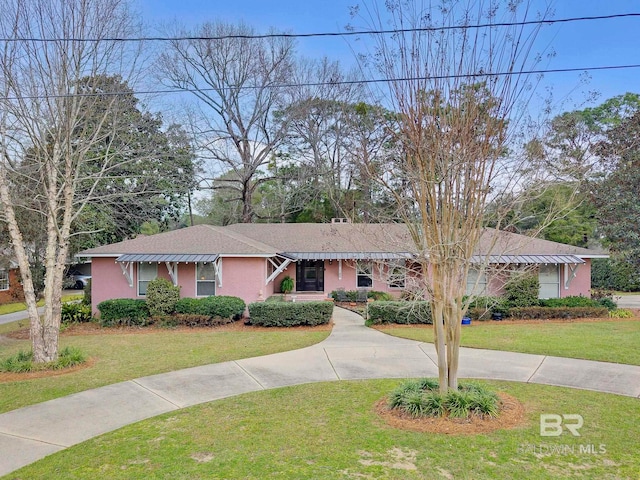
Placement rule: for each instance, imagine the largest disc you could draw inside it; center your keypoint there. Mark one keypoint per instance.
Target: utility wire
(326, 34)
(342, 82)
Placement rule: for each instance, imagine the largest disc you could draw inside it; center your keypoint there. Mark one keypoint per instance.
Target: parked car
(77, 279)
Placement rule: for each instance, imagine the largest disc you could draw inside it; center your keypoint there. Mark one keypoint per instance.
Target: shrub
(123, 311)
(380, 296)
(194, 320)
(86, 299)
(481, 308)
(224, 307)
(620, 313)
(162, 296)
(73, 312)
(608, 303)
(23, 361)
(289, 314)
(600, 293)
(215, 306)
(546, 313)
(399, 312)
(350, 295)
(579, 301)
(522, 291)
(574, 301)
(420, 398)
(188, 305)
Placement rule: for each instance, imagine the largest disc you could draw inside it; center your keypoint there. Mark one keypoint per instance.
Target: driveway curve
(352, 351)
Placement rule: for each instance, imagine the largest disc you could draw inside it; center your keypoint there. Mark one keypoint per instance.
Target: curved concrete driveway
(351, 352)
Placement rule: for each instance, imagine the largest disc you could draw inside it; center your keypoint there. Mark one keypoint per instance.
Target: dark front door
(310, 276)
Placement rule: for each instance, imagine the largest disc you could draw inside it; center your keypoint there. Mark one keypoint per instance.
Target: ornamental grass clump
(421, 398)
(22, 361)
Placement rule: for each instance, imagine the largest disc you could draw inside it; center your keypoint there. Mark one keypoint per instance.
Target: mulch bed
(511, 415)
(15, 377)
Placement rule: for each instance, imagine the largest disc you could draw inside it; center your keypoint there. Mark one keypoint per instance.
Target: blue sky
(579, 44)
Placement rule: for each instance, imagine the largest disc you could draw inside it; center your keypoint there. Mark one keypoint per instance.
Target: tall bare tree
(238, 83)
(51, 50)
(456, 89)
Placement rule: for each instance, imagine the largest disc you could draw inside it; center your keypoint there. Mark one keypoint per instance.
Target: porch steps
(307, 296)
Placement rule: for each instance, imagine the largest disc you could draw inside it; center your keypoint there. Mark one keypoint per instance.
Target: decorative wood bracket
(570, 272)
(172, 267)
(127, 271)
(279, 265)
(217, 267)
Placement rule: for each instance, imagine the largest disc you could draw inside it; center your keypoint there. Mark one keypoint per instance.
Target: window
(364, 274)
(476, 283)
(146, 273)
(205, 279)
(4, 279)
(397, 275)
(549, 277)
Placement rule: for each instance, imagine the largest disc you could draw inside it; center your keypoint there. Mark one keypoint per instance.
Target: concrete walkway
(20, 315)
(351, 352)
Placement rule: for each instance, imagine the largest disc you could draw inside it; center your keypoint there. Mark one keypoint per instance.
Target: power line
(342, 82)
(326, 34)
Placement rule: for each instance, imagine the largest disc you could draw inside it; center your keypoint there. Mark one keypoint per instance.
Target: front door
(310, 276)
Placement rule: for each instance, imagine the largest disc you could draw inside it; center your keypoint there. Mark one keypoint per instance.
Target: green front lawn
(330, 431)
(20, 306)
(124, 356)
(606, 341)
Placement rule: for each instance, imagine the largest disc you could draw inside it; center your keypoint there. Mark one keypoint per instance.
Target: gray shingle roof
(324, 241)
(199, 239)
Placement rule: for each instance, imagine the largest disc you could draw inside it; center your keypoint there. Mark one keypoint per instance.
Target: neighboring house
(250, 261)
(10, 286)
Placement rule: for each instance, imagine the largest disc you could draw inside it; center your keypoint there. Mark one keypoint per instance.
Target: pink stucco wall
(241, 277)
(578, 286)
(245, 277)
(107, 282)
(581, 284)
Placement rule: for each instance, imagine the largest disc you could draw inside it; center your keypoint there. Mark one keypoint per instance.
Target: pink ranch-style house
(250, 260)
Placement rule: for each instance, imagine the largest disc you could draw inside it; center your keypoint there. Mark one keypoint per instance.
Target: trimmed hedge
(399, 312)
(546, 313)
(481, 308)
(215, 306)
(579, 301)
(352, 295)
(190, 320)
(123, 311)
(573, 301)
(289, 314)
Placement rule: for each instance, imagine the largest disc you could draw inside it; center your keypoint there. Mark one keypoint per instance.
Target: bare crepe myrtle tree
(457, 91)
(47, 142)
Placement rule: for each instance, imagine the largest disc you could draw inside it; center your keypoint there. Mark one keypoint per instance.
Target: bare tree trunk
(52, 135)
(455, 87)
(439, 332)
(23, 262)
